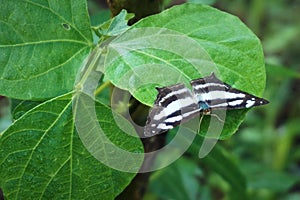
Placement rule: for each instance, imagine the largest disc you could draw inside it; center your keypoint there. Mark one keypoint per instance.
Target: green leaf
(19, 107)
(42, 46)
(184, 43)
(116, 25)
(42, 156)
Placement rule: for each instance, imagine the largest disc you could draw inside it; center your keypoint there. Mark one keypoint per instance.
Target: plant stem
(102, 87)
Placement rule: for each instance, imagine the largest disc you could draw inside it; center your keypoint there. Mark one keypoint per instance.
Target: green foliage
(116, 25)
(50, 160)
(266, 147)
(41, 153)
(162, 181)
(181, 179)
(46, 55)
(19, 107)
(41, 46)
(233, 51)
(225, 166)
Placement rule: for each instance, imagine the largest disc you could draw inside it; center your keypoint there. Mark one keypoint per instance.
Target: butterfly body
(177, 104)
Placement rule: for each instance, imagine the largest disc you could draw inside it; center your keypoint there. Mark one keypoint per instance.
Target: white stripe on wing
(175, 106)
(221, 95)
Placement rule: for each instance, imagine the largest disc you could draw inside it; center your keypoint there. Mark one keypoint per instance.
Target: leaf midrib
(45, 42)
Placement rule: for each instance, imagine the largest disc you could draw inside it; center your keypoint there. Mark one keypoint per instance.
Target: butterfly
(177, 104)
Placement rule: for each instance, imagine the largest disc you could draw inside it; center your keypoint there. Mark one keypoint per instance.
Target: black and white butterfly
(177, 104)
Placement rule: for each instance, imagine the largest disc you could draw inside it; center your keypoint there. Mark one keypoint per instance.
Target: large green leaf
(42, 156)
(42, 45)
(183, 43)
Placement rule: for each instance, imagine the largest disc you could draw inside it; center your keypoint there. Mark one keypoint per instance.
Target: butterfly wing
(177, 104)
(173, 105)
(219, 95)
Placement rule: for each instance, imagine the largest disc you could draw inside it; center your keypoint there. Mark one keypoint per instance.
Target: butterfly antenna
(216, 116)
(200, 121)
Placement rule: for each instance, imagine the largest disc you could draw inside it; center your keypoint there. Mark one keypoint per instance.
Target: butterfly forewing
(219, 95)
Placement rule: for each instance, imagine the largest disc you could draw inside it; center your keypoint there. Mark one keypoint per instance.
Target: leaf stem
(95, 29)
(102, 87)
(90, 66)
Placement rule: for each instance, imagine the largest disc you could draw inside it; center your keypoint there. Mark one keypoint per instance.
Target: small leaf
(116, 25)
(42, 156)
(42, 46)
